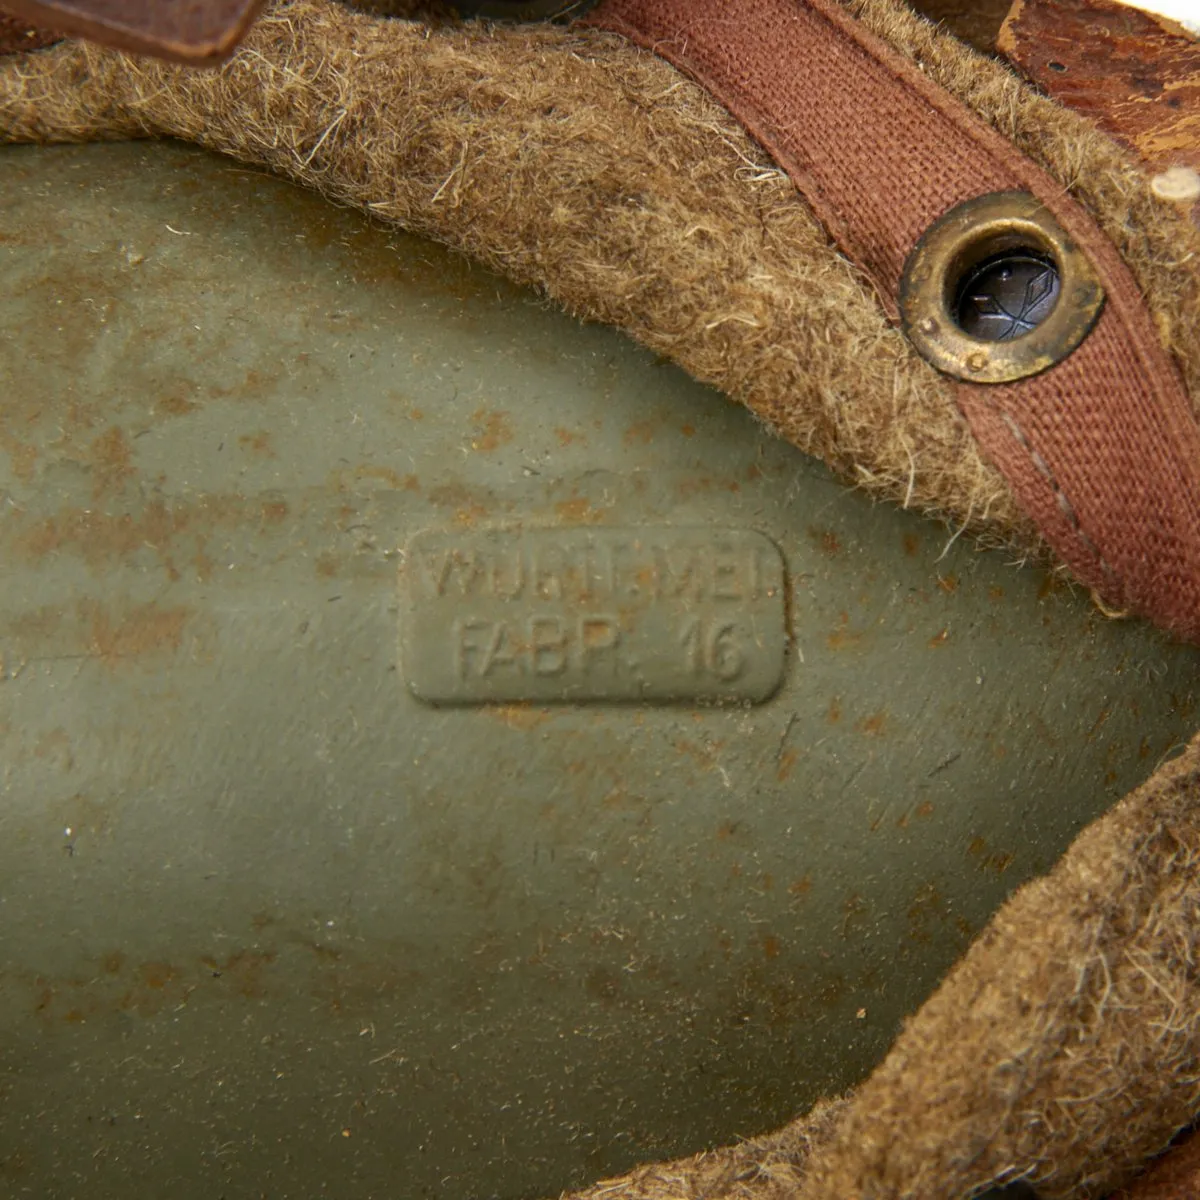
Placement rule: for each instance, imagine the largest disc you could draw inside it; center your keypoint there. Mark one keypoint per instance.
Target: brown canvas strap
(1102, 450)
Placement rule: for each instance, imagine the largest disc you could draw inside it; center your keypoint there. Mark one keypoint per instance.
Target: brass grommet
(995, 290)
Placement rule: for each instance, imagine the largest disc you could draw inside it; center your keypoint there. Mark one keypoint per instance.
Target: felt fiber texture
(1064, 1046)
(574, 162)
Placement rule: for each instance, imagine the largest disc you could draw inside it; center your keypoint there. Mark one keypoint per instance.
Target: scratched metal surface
(273, 927)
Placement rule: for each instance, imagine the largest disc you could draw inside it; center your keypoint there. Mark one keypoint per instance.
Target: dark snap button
(1008, 296)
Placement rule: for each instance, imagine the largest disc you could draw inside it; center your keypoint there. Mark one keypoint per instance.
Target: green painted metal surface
(272, 925)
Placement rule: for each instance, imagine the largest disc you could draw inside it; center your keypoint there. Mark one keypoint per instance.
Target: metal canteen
(442, 742)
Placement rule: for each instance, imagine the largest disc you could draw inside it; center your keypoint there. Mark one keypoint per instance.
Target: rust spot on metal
(157, 975)
(493, 430)
(827, 541)
(801, 886)
(175, 406)
(948, 583)
(470, 516)
(924, 809)
(327, 566)
(154, 986)
(258, 443)
(577, 511)
(1099, 723)
(569, 437)
(997, 862)
(202, 563)
(521, 717)
(771, 946)
(640, 433)
(103, 539)
(21, 455)
(143, 630)
(912, 544)
(844, 638)
(111, 461)
(834, 713)
(244, 970)
(707, 756)
(787, 764)
(873, 725)
(927, 907)
(939, 639)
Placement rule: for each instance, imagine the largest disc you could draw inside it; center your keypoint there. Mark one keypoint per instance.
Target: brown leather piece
(198, 32)
(1135, 75)
(17, 36)
(1174, 1177)
(1102, 450)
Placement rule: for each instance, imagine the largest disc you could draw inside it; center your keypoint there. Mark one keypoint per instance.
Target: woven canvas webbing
(1102, 450)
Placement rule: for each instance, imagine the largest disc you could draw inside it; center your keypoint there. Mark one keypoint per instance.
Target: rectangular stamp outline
(594, 614)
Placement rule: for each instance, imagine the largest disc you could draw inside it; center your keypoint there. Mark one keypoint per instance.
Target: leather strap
(16, 36)
(1102, 450)
(1174, 1177)
(198, 32)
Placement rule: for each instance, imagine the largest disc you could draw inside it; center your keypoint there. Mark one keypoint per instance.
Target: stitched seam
(1060, 496)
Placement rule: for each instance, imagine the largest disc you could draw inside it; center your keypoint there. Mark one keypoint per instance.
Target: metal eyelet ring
(995, 290)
